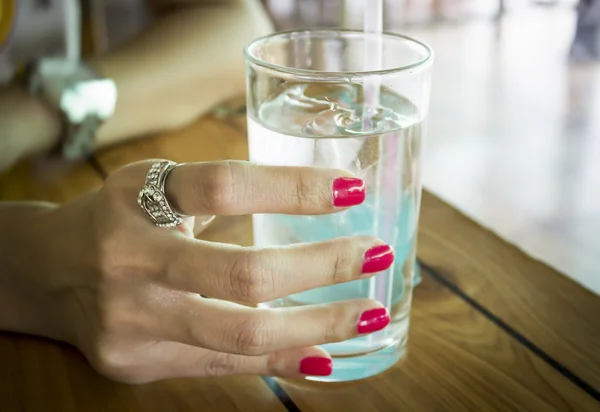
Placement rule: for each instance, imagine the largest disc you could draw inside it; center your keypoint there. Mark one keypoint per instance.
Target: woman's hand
(128, 293)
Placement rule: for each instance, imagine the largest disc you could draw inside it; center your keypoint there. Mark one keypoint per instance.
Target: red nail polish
(378, 258)
(316, 366)
(348, 191)
(373, 320)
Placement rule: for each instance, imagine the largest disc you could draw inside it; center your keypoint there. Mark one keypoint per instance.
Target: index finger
(238, 188)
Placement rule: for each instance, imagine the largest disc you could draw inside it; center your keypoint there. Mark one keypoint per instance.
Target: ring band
(152, 198)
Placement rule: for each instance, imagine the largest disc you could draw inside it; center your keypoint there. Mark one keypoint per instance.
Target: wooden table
(491, 330)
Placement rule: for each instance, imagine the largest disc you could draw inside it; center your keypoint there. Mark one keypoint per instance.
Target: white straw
(372, 26)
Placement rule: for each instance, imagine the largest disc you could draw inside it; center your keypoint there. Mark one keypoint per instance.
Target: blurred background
(514, 129)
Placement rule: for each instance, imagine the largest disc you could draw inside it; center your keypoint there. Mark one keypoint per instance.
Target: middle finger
(256, 275)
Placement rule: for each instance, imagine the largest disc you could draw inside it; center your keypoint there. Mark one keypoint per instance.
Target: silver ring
(152, 197)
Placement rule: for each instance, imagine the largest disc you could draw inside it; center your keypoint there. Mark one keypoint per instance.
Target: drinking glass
(311, 102)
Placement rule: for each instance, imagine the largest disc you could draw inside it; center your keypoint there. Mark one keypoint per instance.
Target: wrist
(84, 99)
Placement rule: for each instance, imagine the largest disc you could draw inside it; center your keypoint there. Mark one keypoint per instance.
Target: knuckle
(304, 192)
(114, 182)
(275, 364)
(333, 329)
(119, 311)
(252, 337)
(111, 320)
(324, 195)
(117, 188)
(117, 253)
(252, 279)
(113, 364)
(310, 192)
(119, 262)
(111, 193)
(113, 262)
(343, 265)
(221, 364)
(217, 191)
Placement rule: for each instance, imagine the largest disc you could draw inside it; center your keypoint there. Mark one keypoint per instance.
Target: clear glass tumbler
(313, 102)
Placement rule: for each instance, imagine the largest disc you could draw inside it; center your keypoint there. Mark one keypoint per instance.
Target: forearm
(189, 60)
(27, 126)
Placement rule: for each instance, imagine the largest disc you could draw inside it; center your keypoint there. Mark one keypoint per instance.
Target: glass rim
(318, 73)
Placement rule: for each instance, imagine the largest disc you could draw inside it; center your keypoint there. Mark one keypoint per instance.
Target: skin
(195, 62)
(127, 293)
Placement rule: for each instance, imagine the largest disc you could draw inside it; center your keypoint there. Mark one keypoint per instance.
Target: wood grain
(457, 361)
(549, 309)
(206, 140)
(50, 182)
(39, 375)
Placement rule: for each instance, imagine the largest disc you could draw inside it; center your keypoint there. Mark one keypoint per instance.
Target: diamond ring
(152, 198)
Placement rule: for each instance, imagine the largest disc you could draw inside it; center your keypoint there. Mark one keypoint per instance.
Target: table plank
(206, 139)
(47, 182)
(549, 309)
(457, 361)
(39, 375)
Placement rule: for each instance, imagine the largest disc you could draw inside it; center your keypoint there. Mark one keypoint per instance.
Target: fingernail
(316, 366)
(378, 258)
(373, 320)
(348, 191)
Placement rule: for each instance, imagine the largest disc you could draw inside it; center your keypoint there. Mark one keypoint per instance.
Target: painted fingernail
(373, 320)
(316, 366)
(348, 191)
(378, 258)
